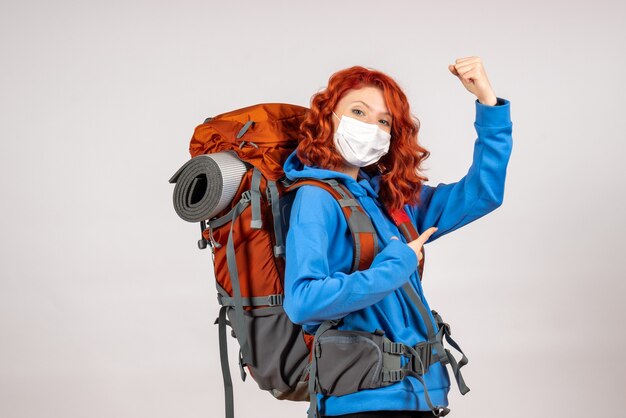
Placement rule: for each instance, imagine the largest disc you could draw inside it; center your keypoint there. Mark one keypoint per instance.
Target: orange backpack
(247, 239)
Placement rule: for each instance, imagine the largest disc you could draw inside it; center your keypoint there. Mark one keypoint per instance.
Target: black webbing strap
(438, 411)
(417, 301)
(444, 329)
(240, 326)
(228, 382)
(269, 300)
(443, 354)
(274, 199)
(255, 192)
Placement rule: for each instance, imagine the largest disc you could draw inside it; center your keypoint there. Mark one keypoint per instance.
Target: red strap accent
(399, 217)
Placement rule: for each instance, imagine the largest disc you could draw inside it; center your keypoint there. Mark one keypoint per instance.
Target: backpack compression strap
(363, 232)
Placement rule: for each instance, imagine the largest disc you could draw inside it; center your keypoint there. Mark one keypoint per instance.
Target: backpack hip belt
(375, 361)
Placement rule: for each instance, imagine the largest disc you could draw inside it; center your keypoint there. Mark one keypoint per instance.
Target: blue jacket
(318, 282)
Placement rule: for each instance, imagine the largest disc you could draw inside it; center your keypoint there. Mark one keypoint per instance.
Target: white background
(107, 305)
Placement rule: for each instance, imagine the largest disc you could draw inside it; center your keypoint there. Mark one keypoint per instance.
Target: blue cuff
(496, 115)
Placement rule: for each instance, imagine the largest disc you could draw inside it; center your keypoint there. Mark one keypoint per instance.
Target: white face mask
(360, 143)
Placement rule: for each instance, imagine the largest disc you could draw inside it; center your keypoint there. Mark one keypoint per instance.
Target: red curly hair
(401, 177)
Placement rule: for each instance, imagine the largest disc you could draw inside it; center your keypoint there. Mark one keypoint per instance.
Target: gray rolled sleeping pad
(206, 184)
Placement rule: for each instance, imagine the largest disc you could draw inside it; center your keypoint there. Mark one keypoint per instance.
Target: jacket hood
(364, 185)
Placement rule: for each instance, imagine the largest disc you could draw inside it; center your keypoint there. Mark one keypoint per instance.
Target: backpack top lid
(262, 135)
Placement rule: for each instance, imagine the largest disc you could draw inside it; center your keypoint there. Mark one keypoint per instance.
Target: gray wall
(106, 305)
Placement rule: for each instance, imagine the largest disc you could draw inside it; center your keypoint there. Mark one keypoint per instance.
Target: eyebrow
(365, 104)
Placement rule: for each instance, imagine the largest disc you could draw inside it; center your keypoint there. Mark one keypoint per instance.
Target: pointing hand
(416, 245)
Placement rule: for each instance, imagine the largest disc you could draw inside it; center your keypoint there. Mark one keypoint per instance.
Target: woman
(360, 132)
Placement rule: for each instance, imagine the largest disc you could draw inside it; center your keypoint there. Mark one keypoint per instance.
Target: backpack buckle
(202, 242)
(279, 250)
(317, 349)
(241, 369)
(441, 411)
(246, 196)
(417, 364)
(420, 363)
(396, 348)
(275, 300)
(446, 327)
(396, 375)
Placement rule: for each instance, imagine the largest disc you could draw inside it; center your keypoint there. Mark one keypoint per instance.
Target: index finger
(424, 236)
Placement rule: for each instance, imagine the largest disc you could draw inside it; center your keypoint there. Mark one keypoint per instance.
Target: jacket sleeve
(316, 290)
(451, 206)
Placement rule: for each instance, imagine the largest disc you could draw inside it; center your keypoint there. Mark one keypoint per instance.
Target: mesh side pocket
(349, 361)
(279, 352)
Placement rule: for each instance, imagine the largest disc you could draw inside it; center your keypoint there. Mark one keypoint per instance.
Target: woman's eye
(360, 113)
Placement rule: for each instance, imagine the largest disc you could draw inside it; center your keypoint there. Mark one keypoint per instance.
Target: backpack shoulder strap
(363, 232)
(404, 224)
